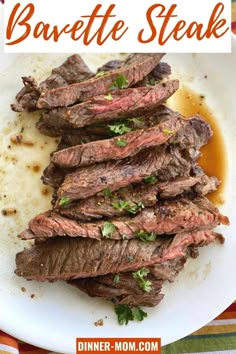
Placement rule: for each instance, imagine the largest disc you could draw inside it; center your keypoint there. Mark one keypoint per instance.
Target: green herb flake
(64, 201)
(126, 313)
(108, 97)
(137, 122)
(150, 180)
(167, 131)
(120, 82)
(116, 278)
(139, 276)
(100, 74)
(121, 142)
(121, 205)
(119, 129)
(146, 236)
(136, 208)
(152, 82)
(124, 237)
(138, 313)
(107, 192)
(22, 130)
(108, 229)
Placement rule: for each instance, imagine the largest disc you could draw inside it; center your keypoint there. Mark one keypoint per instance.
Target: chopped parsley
(116, 278)
(100, 74)
(108, 229)
(120, 82)
(64, 201)
(139, 276)
(124, 237)
(125, 205)
(145, 236)
(152, 82)
(150, 179)
(130, 258)
(119, 129)
(108, 97)
(126, 313)
(167, 131)
(121, 142)
(137, 122)
(121, 205)
(107, 192)
(136, 208)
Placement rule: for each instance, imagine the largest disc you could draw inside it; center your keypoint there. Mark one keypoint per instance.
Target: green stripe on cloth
(207, 343)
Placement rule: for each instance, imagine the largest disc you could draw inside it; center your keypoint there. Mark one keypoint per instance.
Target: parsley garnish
(107, 192)
(150, 179)
(108, 97)
(136, 208)
(151, 82)
(121, 205)
(124, 237)
(121, 142)
(120, 82)
(146, 236)
(100, 74)
(116, 278)
(64, 201)
(108, 229)
(137, 122)
(119, 129)
(167, 131)
(126, 313)
(130, 258)
(125, 205)
(144, 284)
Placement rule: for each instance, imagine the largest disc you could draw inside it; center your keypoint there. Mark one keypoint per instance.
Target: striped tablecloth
(218, 337)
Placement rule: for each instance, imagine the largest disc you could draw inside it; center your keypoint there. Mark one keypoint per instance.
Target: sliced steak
(167, 217)
(71, 258)
(109, 149)
(125, 292)
(131, 102)
(28, 96)
(101, 205)
(71, 71)
(135, 68)
(166, 162)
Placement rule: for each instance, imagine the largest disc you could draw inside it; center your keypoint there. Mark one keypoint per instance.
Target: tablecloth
(217, 337)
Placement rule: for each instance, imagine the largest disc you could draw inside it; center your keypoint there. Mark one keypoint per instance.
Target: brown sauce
(213, 159)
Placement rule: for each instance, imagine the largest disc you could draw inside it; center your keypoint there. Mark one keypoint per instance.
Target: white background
(133, 12)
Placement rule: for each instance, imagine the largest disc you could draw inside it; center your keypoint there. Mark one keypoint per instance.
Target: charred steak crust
(135, 68)
(70, 258)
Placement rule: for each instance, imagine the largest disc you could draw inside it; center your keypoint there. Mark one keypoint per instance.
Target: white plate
(59, 313)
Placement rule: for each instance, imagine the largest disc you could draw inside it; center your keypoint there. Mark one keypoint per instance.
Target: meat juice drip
(213, 159)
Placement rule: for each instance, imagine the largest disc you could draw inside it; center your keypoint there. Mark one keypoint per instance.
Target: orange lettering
(213, 25)
(12, 22)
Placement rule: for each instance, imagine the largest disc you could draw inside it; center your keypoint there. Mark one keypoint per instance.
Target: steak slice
(135, 68)
(70, 258)
(167, 217)
(126, 289)
(109, 149)
(131, 102)
(125, 292)
(100, 205)
(72, 70)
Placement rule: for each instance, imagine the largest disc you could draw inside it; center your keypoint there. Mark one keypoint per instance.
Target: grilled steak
(166, 162)
(135, 68)
(167, 217)
(109, 149)
(69, 258)
(126, 292)
(72, 70)
(132, 102)
(101, 205)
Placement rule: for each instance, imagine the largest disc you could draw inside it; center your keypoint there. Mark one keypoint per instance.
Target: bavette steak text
(102, 24)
